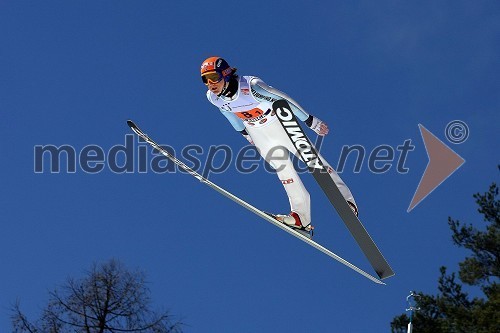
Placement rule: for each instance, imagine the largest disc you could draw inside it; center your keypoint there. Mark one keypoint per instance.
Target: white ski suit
(250, 109)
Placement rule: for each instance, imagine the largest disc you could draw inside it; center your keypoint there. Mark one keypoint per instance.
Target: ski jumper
(250, 109)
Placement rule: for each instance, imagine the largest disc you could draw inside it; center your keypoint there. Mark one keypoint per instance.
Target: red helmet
(214, 69)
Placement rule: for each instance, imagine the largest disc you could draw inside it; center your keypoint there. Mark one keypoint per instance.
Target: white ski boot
(293, 221)
(354, 208)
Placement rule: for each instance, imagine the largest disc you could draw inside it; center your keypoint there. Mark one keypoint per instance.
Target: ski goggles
(212, 77)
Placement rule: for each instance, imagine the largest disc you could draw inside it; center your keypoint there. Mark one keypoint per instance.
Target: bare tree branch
(108, 299)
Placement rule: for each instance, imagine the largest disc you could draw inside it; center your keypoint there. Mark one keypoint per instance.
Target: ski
(307, 153)
(246, 205)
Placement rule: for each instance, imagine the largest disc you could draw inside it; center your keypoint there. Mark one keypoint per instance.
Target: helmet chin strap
(226, 85)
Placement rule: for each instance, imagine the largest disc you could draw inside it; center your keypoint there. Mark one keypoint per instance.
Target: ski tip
(130, 123)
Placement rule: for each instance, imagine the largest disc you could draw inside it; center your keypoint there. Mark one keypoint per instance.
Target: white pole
(411, 308)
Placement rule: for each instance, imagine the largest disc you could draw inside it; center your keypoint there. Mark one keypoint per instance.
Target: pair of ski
(309, 156)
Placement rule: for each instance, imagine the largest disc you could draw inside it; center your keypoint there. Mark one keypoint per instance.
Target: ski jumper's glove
(247, 136)
(318, 126)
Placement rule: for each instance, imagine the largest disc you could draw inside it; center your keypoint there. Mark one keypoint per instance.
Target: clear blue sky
(72, 73)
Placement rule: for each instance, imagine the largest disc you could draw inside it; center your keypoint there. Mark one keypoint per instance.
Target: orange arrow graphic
(442, 163)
